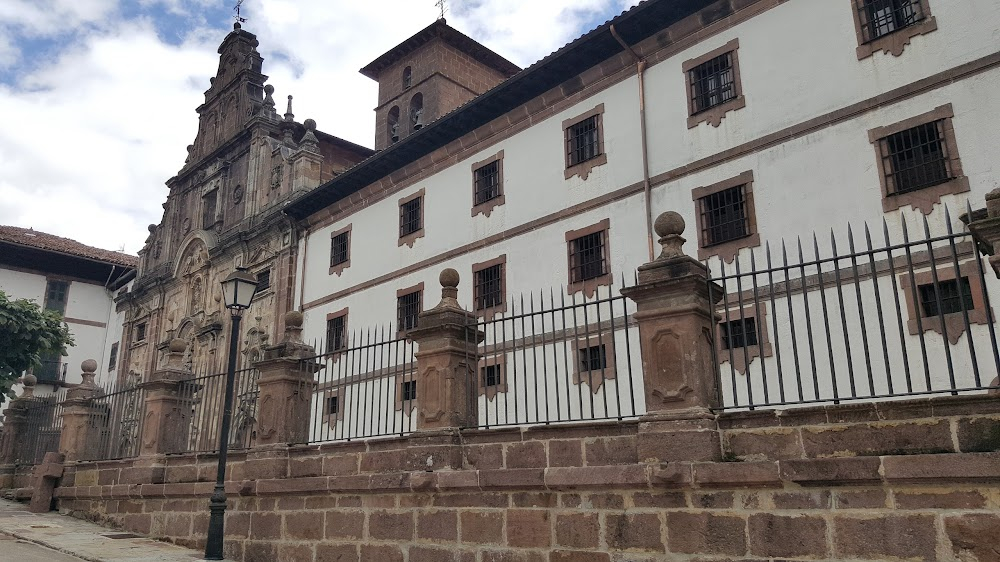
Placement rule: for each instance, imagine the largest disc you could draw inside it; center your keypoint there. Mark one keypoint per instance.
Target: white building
(758, 121)
(79, 282)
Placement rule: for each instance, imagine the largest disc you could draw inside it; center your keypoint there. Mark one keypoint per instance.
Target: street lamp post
(238, 290)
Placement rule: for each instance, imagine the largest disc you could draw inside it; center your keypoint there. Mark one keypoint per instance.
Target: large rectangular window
(489, 284)
(336, 333)
(209, 206)
(56, 295)
(915, 158)
(338, 248)
(408, 307)
(712, 83)
(487, 182)
(724, 216)
(583, 141)
(882, 17)
(588, 259)
(410, 217)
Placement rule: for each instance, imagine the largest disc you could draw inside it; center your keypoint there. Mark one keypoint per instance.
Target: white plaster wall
(22, 285)
(113, 334)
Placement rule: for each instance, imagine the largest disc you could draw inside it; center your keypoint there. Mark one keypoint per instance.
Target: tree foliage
(26, 334)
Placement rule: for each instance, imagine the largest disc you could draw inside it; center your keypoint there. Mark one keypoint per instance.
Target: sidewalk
(81, 540)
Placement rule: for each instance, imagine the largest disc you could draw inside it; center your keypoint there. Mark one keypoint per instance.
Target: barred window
(882, 17)
(140, 332)
(593, 358)
(712, 83)
(336, 333)
(587, 257)
(491, 375)
(56, 295)
(724, 216)
(209, 206)
(332, 405)
(487, 182)
(409, 390)
(739, 333)
(915, 158)
(113, 359)
(410, 216)
(263, 280)
(339, 248)
(408, 308)
(489, 287)
(948, 294)
(583, 141)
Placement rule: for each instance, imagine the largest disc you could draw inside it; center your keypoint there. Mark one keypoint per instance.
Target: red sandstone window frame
(742, 357)
(419, 287)
(486, 207)
(925, 198)
(894, 41)
(584, 168)
(490, 392)
(410, 238)
(343, 313)
(594, 378)
(589, 286)
(727, 251)
(399, 381)
(490, 312)
(714, 115)
(954, 322)
(338, 268)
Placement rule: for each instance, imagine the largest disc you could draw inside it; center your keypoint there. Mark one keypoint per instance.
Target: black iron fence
(366, 387)
(41, 430)
(203, 397)
(553, 358)
(873, 316)
(118, 411)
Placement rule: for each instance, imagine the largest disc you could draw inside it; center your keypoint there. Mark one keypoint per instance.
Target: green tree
(26, 334)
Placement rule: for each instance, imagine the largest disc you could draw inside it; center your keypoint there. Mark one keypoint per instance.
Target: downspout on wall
(640, 69)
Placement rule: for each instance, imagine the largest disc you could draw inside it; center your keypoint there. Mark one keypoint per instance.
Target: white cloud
(90, 137)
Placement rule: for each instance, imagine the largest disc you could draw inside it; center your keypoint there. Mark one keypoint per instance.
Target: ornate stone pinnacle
(293, 327)
(28, 381)
(669, 226)
(289, 116)
(89, 368)
(449, 279)
(268, 100)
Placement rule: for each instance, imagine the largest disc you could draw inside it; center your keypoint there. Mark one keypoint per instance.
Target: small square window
(737, 334)
(948, 292)
(408, 389)
(593, 358)
(140, 332)
(712, 83)
(408, 307)
(336, 332)
(492, 375)
(489, 287)
(724, 216)
(332, 405)
(338, 248)
(263, 280)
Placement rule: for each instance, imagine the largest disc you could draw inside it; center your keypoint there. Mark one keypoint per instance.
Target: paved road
(15, 549)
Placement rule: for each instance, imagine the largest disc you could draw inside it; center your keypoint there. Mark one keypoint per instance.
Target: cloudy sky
(98, 96)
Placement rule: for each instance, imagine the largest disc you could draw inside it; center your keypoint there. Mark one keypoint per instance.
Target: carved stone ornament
(276, 173)
(237, 194)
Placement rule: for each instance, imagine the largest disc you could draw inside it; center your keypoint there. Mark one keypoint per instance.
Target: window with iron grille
(583, 141)
(408, 308)
(209, 205)
(336, 333)
(410, 216)
(113, 359)
(948, 293)
(140, 332)
(492, 375)
(56, 295)
(739, 333)
(587, 257)
(593, 358)
(724, 216)
(915, 158)
(339, 248)
(487, 182)
(409, 390)
(882, 17)
(332, 405)
(263, 280)
(712, 83)
(489, 287)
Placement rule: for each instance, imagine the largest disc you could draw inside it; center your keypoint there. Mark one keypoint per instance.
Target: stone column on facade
(15, 419)
(675, 313)
(287, 382)
(447, 358)
(985, 229)
(167, 414)
(79, 435)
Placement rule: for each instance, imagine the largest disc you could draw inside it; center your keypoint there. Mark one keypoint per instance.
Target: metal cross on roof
(439, 4)
(237, 16)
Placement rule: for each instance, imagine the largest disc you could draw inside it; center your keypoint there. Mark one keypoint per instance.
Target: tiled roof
(50, 242)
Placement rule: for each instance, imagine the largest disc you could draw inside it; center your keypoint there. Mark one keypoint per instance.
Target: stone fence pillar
(15, 418)
(447, 362)
(167, 412)
(287, 384)
(985, 229)
(676, 333)
(79, 434)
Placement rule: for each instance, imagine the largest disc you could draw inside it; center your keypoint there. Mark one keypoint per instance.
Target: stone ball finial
(29, 380)
(269, 89)
(151, 228)
(177, 345)
(670, 222)
(293, 319)
(89, 366)
(237, 26)
(449, 278)
(309, 124)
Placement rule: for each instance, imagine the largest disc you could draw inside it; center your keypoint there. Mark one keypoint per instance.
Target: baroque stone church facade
(223, 211)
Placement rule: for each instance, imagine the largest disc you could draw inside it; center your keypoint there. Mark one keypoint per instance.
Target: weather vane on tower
(441, 4)
(237, 17)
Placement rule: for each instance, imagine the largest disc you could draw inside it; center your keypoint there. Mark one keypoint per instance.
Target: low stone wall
(872, 482)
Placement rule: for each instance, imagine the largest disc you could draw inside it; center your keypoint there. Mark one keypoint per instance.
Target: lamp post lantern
(238, 290)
